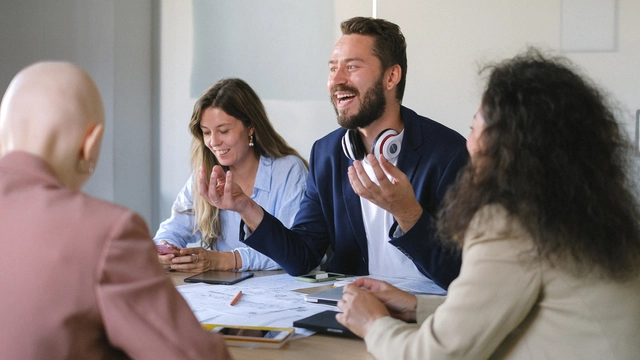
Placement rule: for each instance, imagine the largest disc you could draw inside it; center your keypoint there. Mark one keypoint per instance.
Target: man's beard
(372, 107)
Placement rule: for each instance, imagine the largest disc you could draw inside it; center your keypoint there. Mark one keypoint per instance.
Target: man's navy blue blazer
(330, 214)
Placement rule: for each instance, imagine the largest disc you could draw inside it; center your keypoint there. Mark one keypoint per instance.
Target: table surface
(316, 346)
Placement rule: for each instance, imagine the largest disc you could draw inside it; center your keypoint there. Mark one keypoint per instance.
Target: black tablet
(219, 277)
(325, 323)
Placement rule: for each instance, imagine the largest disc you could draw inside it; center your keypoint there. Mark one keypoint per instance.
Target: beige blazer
(507, 305)
(81, 278)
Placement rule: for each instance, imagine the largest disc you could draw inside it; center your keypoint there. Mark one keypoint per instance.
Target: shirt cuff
(246, 231)
(244, 260)
(395, 231)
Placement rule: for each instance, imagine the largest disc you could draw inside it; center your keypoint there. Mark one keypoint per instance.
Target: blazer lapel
(411, 142)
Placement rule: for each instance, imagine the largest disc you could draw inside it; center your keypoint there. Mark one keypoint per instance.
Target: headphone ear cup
(352, 145)
(388, 144)
(346, 146)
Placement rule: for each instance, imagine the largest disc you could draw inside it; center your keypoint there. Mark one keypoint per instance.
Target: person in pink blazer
(80, 277)
(548, 219)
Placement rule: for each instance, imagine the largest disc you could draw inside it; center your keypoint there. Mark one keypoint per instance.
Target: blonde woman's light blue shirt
(278, 188)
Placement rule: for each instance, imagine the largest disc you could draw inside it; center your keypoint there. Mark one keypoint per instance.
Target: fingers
(380, 194)
(361, 183)
(191, 251)
(166, 259)
(349, 289)
(378, 171)
(212, 194)
(369, 283)
(391, 169)
(189, 263)
(190, 259)
(217, 169)
(186, 259)
(189, 267)
(219, 178)
(203, 187)
(212, 190)
(354, 180)
(228, 185)
(359, 309)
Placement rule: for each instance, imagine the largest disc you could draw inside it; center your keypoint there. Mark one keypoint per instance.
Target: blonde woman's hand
(166, 257)
(199, 259)
(195, 260)
(222, 192)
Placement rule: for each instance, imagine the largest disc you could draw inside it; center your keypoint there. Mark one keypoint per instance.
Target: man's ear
(91, 143)
(393, 76)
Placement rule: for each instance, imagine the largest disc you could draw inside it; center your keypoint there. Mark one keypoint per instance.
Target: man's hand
(395, 196)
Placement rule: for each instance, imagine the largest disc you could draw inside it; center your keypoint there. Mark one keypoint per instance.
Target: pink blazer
(81, 279)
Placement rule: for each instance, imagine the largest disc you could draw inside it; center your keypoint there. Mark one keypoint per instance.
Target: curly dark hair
(390, 46)
(554, 156)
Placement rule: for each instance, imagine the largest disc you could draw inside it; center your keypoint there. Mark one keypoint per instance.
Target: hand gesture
(395, 196)
(221, 191)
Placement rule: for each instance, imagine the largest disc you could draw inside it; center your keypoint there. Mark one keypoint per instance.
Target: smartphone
(219, 277)
(275, 335)
(252, 336)
(165, 249)
(319, 277)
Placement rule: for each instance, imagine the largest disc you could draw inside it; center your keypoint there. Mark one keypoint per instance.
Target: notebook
(328, 297)
(324, 323)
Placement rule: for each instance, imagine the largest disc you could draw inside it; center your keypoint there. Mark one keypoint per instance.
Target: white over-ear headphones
(386, 143)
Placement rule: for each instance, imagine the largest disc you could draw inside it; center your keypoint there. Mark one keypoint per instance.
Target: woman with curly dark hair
(549, 224)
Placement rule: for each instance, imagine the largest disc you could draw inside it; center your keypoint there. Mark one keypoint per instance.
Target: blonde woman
(230, 128)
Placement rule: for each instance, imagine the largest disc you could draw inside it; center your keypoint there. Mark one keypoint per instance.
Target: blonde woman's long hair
(236, 98)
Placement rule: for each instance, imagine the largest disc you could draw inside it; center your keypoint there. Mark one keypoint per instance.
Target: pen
(236, 298)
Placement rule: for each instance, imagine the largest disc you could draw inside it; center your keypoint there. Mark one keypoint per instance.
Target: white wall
(111, 40)
(448, 41)
(140, 54)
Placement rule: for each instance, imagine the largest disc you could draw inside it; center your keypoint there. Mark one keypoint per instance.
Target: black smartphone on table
(219, 277)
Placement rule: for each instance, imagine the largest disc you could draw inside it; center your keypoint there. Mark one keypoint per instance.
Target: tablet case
(324, 323)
